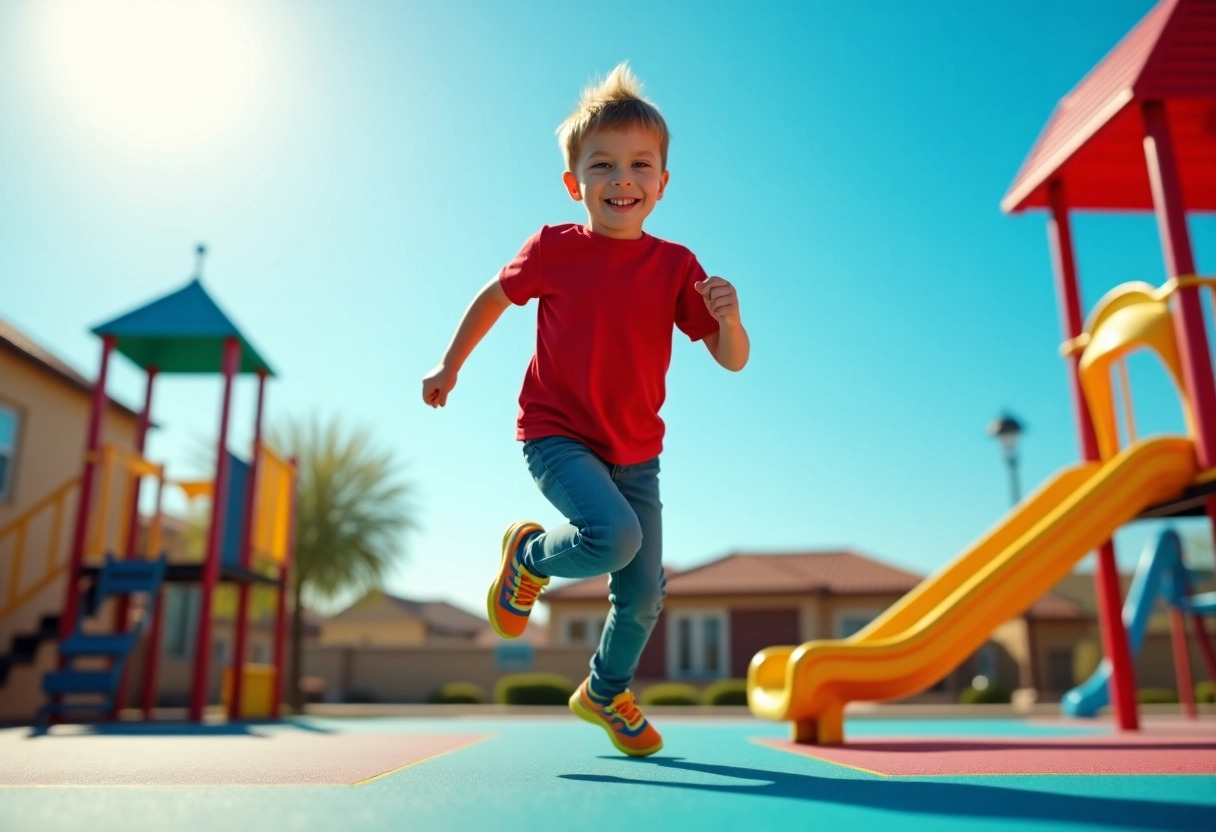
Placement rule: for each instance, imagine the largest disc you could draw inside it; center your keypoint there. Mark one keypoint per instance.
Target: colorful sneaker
(514, 591)
(620, 716)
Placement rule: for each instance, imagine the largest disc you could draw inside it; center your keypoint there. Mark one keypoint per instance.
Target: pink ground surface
(1159, 748)
(274, 758)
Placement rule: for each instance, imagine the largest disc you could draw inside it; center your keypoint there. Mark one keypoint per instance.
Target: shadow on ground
(926, 797)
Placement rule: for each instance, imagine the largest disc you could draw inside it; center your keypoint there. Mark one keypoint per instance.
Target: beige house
(379, 619)
(44, 412)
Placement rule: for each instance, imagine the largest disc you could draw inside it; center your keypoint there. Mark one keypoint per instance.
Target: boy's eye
(641, 164)
(600, 165)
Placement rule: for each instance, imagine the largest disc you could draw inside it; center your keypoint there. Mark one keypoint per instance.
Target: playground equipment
(1148, 103)
(1161, 573)
(249, 534)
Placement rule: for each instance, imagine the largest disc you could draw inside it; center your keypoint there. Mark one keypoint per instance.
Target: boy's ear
(571, 183)
(663, 183)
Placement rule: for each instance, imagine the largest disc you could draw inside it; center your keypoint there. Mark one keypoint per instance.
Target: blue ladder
(115, 578)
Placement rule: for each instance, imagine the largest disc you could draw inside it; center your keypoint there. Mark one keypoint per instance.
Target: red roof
(843, 573)
(796, 573)
(1094, 140)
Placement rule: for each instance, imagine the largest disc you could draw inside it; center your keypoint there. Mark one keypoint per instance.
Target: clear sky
(360, 169)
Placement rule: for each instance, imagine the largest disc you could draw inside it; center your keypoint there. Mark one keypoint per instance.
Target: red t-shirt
(604, 335)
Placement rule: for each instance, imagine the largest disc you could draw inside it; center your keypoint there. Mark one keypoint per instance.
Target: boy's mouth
(622, 202)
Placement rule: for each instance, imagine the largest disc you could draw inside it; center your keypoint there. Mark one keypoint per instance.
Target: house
(379, 619)
(720, 614)
(44, 413)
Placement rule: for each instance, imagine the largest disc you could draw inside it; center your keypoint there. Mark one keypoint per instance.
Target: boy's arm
(730, 345)
(481, 315)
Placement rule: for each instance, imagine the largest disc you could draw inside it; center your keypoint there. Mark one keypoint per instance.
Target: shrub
(725, 692)
(1156, 696)
(1205, 692)
(993, 694)
(458, 693)
(533, 689)
(670, 693)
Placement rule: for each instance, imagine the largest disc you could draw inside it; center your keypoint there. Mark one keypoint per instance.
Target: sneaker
(620, 716)
(514, 591)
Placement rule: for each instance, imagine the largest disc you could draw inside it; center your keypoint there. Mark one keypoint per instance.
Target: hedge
(458, 693)
(533, 689)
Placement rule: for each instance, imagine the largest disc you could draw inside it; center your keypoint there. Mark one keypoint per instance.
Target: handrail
(19, 526)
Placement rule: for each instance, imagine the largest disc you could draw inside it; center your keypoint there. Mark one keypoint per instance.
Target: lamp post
(1007, 430)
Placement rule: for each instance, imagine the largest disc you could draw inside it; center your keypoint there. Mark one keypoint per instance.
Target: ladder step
(59, 682)
(102, 645)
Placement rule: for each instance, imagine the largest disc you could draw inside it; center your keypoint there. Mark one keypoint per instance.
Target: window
(851, 622)
(698, 647)
(8, 450)
(582, 631)
(180, 617)
(1059, 669)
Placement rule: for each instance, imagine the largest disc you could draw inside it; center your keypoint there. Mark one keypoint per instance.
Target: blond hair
(613, 103)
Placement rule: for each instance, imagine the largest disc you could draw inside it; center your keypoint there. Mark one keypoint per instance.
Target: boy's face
(619, 176)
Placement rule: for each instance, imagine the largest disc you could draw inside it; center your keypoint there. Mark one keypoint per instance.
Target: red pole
(1188, 311)
(1106, 577)
(71, 601)
(211, 566)
(1205, 648)
(242, 605)
(280, 627)
(122, 609)
(1182, 664)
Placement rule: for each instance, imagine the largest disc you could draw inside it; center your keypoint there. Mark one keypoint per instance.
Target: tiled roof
(442, 618)
(796, 573)
(742, 573)
(24, 346)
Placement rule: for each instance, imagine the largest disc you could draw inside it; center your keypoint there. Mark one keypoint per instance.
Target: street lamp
(1007, 429)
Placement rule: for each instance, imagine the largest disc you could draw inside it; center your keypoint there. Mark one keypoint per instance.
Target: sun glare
(152, 75)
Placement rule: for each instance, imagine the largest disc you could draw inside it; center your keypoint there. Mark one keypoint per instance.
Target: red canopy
(1094, 141)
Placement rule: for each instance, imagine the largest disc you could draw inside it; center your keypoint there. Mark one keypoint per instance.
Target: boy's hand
(721, 300)
(437, 384)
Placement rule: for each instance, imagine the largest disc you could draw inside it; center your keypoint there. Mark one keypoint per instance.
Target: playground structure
(249, 537)
(1135, 134)
(1162, 574)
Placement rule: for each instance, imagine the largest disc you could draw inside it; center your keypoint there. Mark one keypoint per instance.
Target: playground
(810, 752)
(717, 774)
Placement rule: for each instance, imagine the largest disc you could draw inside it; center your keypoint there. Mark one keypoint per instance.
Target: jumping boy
(609, 297)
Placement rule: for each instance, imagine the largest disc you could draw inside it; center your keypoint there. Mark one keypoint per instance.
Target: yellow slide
(932, 629)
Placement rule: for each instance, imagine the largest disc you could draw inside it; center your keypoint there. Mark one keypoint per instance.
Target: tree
(352, 512)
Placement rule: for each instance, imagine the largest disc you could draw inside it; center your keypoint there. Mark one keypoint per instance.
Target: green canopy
(183, 332)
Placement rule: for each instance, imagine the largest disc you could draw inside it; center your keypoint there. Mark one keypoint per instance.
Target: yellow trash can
(257, 690)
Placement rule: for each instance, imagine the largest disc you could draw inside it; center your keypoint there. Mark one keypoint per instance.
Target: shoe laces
(526, 590)
(625, 705)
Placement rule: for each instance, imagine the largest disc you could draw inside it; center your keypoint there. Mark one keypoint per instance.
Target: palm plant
(353, 510)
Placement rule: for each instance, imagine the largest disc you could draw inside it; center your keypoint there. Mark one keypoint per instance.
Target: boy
(609, 296)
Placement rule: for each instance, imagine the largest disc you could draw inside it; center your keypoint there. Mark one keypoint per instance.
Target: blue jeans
(616, 528)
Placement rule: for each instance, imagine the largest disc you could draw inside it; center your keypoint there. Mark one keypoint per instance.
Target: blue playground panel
(556, 775)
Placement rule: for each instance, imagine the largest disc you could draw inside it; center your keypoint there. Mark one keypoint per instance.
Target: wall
(412, 674)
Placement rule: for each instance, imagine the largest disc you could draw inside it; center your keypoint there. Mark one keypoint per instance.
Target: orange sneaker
(620, 716)
(514, 591)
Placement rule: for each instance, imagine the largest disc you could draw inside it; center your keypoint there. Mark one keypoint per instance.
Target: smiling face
(619, 176)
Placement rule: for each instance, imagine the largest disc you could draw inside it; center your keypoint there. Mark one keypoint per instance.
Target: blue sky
(359, 169)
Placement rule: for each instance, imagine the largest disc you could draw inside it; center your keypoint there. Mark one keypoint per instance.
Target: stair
(116, 578)
(24, 646)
